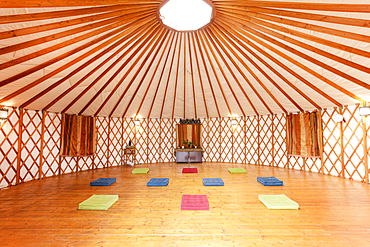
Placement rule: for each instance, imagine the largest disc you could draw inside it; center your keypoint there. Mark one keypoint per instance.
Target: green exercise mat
(140, 171)
(237, 170)
(98, 202)
(278, 202)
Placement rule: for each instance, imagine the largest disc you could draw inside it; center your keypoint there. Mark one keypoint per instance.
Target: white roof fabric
(119, 60)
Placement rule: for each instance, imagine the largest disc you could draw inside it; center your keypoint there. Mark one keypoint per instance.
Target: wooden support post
(219, 140)
(19, 144)
(147, 140)
(286, 144)
(92, 161)
(60, 165)
(173, 140)
(60, 145)
(122, 144)
(42, 145)
(245, 140)
(341, 142)
(366, 164)
(258, 141)
(135, 139)
(77, 163)
(321, 143)
(232, 142)
(272, 141)
(108, 143)
(160, 141)
(208, 152)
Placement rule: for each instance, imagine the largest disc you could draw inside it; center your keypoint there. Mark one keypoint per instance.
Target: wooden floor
(333, 211)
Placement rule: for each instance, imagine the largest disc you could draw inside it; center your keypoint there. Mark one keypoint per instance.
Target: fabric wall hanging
(303, 134)
(189, 132)
(79, 135)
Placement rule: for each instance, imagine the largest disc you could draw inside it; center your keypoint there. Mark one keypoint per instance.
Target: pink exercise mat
(194, 202)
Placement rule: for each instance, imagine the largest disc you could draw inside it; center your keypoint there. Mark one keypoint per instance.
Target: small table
(129, 152)
(192, 155)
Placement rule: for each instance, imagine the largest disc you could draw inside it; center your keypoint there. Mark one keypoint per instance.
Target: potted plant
(187, 143)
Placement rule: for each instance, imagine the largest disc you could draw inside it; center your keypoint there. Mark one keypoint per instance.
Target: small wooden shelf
(127, 152)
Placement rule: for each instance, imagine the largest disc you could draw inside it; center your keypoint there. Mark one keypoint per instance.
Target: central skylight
(186, 15)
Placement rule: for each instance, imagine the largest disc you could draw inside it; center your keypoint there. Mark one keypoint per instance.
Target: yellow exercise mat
(98, 202)
(278, 202)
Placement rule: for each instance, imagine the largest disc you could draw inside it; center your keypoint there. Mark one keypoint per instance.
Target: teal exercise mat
(155, 182)
(270, 181)
(98, 202)
(103, 182)
(237, 170)
(140, 171)
(278, 202)
(213, 182)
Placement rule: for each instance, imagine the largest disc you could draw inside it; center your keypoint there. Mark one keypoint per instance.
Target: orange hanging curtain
(189, 132)
(79, 135)
(303, 134)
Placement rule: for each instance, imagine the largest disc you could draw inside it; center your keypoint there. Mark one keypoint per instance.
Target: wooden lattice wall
(256, 140)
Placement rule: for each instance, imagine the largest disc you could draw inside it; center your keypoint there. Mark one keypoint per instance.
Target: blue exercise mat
(213, 182)
(270, 181)
(103, 182)
(158, 182)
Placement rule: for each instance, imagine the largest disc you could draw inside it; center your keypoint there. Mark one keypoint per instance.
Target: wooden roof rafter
(321, 64)
(223, 26)
(207, 73)
(184, 116)
(272, 82)
(169, 75)
(314, 39)
(206, 45)
(61, 14)
(118, 21)
(200, 76)
(69, 42)
(316, 50)
(140, 52)
(275, 72)
(142, 30)
(205, 34)
(312, 27)
(260, 82)
(136, 43)
(172, 36)
(122, 37)
(77, 3)
(158, 48)
(160, 77)
(364, 8)
(192, 78)
(65, 23)
(176, 77)
(231, 71)
(251, 51)
(158, 37)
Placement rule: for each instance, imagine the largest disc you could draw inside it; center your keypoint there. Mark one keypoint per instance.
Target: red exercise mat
(194, 202)
(189, 170)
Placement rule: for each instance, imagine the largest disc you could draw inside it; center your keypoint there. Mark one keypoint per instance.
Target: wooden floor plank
(333, 211)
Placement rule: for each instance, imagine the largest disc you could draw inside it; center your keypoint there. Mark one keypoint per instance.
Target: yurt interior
(184, 122)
